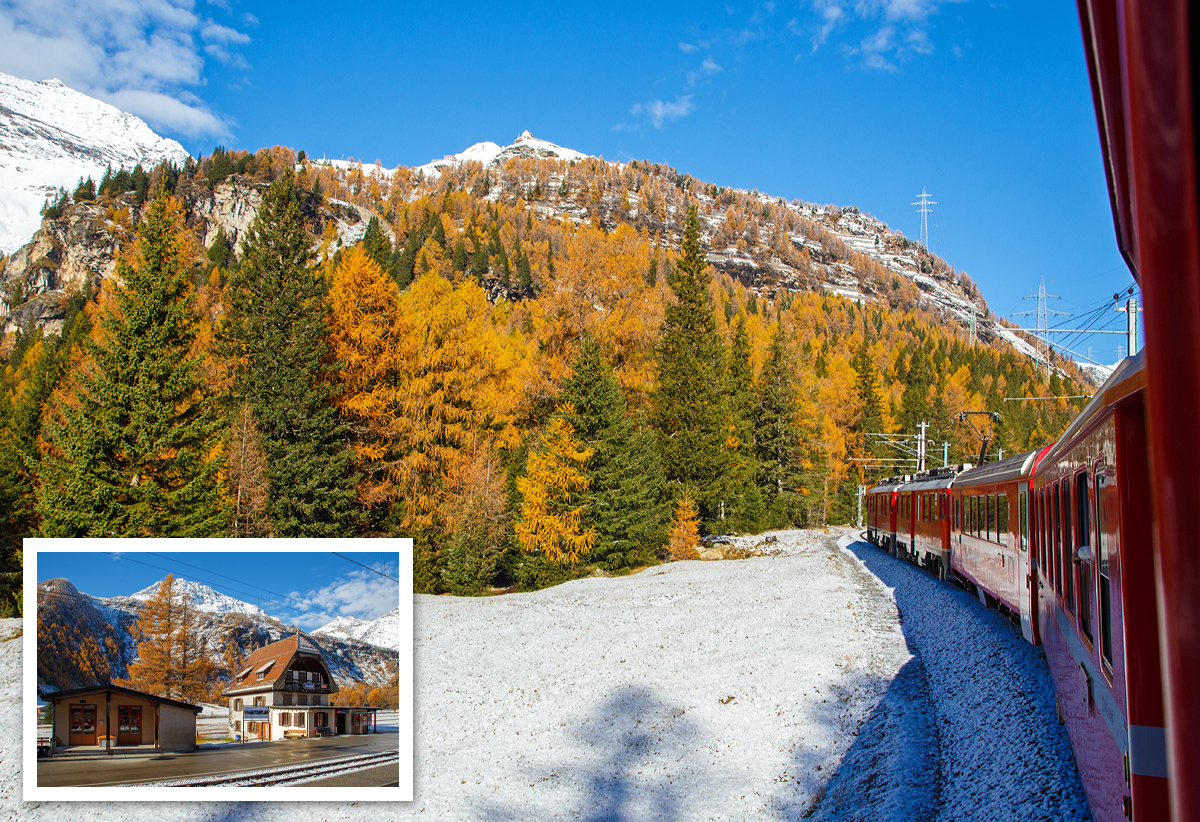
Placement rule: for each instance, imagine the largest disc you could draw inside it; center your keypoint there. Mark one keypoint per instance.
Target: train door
(1025, 582)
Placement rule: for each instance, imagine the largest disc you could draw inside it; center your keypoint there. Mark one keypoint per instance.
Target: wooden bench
(294, 734)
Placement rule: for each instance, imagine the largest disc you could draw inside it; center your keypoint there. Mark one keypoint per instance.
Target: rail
(288, 774)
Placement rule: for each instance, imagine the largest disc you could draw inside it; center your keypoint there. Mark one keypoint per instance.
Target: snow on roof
(265, 667)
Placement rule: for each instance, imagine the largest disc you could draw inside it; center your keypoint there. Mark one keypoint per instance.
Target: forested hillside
(525, 367)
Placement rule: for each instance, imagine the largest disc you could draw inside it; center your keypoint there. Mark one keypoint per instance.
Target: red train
(1105, 517)
(1060, 538)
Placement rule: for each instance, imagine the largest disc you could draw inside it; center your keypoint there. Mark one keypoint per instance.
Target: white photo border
(29, 758)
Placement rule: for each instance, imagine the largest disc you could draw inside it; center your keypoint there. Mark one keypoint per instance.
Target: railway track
(285, 775)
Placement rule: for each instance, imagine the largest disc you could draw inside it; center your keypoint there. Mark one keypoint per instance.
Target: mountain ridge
(51, 136)
(91, 638)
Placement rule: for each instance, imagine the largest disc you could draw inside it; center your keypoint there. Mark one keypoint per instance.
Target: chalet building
(112, 717)
(283, 691)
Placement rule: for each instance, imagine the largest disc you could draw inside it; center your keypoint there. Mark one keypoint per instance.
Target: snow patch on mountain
(51, 136)
(488, 153)
(202, 597)
(383, 632)
(343, 627)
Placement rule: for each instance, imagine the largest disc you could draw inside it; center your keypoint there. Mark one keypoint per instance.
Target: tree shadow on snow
(891, 771)
(634, 742)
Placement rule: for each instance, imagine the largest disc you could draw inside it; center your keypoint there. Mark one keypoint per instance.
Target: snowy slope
(488, 153)
(343, 627)
(383, 632)
(50, 137)
(202, 597)
(815, 683)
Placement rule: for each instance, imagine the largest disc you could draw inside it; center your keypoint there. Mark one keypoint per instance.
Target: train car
(990, 537)
(1144, 60)
(881, 503)
(929, 501)
(1098, 602)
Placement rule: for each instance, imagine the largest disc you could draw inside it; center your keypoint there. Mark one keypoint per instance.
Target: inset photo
(219, 669)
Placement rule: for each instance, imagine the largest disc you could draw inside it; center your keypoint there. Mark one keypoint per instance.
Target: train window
(973, 516)
(1023, 524)
(1068, 565)
(1043, 536)
(1002, 519)
(1101, 553)
(1083, 530)
(1056, 535)
(991, 516)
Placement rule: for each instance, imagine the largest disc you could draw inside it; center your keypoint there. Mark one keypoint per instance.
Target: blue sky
(306, 588)
(853, 102)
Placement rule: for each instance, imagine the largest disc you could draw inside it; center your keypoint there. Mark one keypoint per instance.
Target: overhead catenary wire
(368, 567)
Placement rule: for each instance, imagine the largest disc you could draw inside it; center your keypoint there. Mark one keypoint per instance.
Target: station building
(110, 716)
(284, 691)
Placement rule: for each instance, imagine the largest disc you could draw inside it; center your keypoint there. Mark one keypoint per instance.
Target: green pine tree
(625, 498)
(220, 253)
(743, 509)
(376, 244)
(689, 408)
(135, 450)
(275, 336)
(777, 439)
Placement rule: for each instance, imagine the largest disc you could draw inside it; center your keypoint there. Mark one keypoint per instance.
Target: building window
(285, 720)
(321, 719)
(302, 699)
(287, 699)
(260, 700)
(237, 704)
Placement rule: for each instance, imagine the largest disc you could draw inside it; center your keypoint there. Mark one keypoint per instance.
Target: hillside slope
(52, 137)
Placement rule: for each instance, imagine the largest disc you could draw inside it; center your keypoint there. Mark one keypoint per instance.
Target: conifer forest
(533, 370)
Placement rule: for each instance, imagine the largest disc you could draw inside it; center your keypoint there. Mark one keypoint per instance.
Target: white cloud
(165, 112)
(659, 112)
(687, 48)
(141, 55)
(895, 29)
(360, 594)
(216, 33)
(710, 66)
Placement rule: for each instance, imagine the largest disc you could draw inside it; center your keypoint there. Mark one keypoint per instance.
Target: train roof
(1018, 465)
(926, 480)
(936, 478)
(889, 484)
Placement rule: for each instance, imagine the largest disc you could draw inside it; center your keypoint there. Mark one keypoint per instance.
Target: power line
(368, 567)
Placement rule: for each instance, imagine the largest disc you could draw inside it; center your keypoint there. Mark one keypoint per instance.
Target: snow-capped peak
(51, 136)
(383, 632)
(204, 598)
(343, 627)
(488, 153)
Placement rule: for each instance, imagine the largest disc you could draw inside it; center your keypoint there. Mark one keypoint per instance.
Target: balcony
(306, 687)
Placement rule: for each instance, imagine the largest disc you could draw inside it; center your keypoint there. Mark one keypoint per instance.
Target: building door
(83, 725)
(340, 719)
(129, 725)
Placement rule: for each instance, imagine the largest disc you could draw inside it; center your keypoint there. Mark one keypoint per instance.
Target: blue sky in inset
(852, 102)
(307, 588)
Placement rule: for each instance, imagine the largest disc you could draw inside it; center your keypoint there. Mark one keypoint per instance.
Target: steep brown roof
(280, 654)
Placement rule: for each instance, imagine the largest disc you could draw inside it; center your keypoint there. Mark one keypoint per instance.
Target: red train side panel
(1097, 601)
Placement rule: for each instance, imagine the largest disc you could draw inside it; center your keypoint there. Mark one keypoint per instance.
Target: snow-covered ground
(706, 690)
